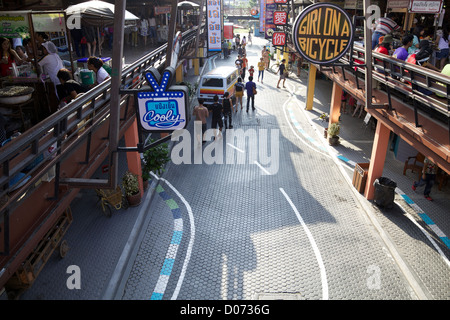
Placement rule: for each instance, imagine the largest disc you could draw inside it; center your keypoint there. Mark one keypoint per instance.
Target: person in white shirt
(143, 29)
(51, 63)
(152, 30)
(95, 64)
(442, 40)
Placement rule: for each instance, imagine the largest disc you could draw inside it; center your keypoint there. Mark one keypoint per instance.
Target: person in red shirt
(385, 45)
(8, 57)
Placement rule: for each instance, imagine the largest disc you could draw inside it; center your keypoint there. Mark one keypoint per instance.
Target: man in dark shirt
(69, 89)
(216, 119)
(249, 87)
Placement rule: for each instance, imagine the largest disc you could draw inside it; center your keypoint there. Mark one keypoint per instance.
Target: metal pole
(116, 76)
(368, 54)
(171, 36)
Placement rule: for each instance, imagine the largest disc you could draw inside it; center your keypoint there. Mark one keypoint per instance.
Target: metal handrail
(389, 67)
(54, 128)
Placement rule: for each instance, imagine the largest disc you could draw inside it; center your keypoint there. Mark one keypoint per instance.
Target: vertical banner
(14, 24)
(271, 7)
(214, 22)
(262, 16)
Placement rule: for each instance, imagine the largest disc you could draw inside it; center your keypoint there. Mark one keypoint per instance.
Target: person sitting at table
(28, 45)
(51, 63)
(69, 88)
(9, 56)
(95, 64)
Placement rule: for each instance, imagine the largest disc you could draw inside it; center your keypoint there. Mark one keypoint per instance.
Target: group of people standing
(147, 30)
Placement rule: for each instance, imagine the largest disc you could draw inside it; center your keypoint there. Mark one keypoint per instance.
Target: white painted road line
(323, 274)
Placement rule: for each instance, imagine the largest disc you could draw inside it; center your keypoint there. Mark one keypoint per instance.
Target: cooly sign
(323, 33)
(163, 108)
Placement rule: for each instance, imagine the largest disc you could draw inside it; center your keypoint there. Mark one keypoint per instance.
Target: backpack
(239, 86)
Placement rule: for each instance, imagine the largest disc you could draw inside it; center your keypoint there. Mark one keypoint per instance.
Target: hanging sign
(280, 1)
(14, 24)
(323, 33)
(279, 39)
(429, 6)
(163, 107)
(214, 18)
(280, 18)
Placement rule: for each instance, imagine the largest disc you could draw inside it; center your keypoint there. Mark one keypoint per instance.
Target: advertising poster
(14, 25)
(271, 7)
(214, 22)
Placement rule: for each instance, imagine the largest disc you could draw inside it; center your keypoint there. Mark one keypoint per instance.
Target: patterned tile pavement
(302, 230)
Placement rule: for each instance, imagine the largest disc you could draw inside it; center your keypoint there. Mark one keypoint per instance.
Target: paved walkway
(261, 228)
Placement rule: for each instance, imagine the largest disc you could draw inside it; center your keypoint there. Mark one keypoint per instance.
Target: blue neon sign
(163, 107)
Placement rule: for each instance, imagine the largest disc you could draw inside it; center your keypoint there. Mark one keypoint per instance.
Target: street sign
(279, 39)
(280, 18)
(323, 33)
(163, 107)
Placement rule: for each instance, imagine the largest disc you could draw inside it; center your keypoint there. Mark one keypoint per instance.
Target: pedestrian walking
(237, 42)
(250, 86)
(239, 92)
(238, 64)
(244, 65)
(261, 67)
(201, 113)
(360, 107)
(251, 71)
(281, 70)
(216, 109)
(428, 176)
(228, 109)
(266, 57)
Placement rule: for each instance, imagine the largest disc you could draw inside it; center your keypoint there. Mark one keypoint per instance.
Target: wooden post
(311, 86)
(335, 108)
(379, 150)
(134, 158)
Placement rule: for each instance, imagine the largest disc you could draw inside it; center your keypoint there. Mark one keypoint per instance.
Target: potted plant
(154, 159)
(333, 132)
(130, 185)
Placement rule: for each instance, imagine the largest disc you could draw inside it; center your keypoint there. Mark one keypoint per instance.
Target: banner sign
(163, 10)
(279, 39)
(270, 9)
(14, 24)
(262, 16)
(280, 1)
(429, 6)
(163, 108)
(214, 23)
(323, 33)
(398, 4)
(280, 18)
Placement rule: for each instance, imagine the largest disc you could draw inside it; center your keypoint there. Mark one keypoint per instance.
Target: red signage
(280, 1)
(279, 39)
(280, 18)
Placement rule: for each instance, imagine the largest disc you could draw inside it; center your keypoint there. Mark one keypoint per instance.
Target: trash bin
(384, 192)
(360, 176)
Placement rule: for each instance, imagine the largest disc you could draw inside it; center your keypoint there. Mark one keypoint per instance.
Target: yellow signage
(323, 33)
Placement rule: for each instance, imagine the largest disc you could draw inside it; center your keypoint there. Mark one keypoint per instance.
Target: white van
(217, 81)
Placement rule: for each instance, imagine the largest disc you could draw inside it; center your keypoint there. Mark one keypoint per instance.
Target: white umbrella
(97, 12)
(187, 4)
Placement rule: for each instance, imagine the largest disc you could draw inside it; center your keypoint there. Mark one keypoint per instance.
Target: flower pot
(325, 133)
(134, 200)
(333, 141)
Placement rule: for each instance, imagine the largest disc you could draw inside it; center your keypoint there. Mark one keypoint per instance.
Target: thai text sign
(214, 18)
(14, 24)
(323, 33)
(163, 108)
(429, 6)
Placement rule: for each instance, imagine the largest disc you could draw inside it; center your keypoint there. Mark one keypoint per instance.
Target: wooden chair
(415, 166)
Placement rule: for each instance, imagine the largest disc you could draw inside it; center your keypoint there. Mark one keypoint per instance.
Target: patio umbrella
(97, 13)
(187, 4)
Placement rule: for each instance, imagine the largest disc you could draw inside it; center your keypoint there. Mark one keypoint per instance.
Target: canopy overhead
(98, 13)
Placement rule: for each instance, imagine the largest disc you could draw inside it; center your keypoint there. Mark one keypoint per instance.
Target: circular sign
(269, 32)
(323, 33)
